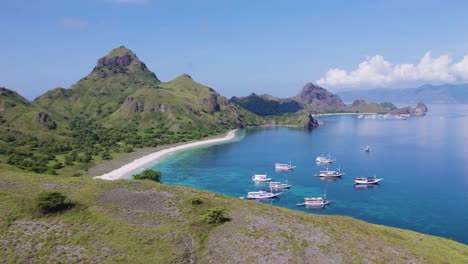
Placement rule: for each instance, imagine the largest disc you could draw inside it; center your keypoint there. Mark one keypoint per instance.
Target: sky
(238, 47)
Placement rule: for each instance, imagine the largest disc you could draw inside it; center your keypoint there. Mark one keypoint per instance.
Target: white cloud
(73, 23)
(129, 2)
(377, 72)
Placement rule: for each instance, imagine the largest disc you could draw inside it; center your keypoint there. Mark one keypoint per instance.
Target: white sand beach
(125, 171)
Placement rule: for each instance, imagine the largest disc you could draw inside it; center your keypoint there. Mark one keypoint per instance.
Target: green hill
(178, 105)
(146, 222)
(19, 114)
(104, 90)
(122, 92)
(265, 105)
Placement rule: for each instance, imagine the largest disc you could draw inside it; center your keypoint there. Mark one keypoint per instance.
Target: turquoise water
(424, 163)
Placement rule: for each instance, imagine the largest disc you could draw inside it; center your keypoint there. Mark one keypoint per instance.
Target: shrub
(51, 201)
(148, 174)
(196, 201)
(215, 215)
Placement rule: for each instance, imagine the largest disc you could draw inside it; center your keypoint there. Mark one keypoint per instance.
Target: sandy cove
(125, 171)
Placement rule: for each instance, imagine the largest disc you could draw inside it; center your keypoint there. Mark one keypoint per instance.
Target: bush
(215, 215)
(148, 174)
(196, 201)
(51, 201)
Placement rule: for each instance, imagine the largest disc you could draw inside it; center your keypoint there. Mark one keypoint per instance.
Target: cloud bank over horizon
(376, 72)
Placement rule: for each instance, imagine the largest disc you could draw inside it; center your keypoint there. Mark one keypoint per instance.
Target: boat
(279, 185)
(284, 166)
(330, 173)
(367, 149)
(262, 194)
(323, 159)
(368, 180)
(315, 202)
(260, 178)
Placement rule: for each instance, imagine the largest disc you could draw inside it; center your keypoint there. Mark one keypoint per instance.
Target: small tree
(51, 201)
(148, 174)
(215, 215)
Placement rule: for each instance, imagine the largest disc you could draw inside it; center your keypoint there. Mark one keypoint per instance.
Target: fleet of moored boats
(309, 202)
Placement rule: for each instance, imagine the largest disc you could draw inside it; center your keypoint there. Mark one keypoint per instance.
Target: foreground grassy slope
(146, 222)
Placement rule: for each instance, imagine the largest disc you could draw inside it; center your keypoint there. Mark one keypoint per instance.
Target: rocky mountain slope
(121, 92)
(311, 98)
(316, 98)
(18, 115)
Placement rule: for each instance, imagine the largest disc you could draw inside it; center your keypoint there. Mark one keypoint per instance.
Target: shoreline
(333, 114)
(123, 172)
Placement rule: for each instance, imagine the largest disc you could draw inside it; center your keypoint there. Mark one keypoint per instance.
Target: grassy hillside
(116, 75)
(266, 105)
(361, 106)
(146, 222)
(20, 115)
(180, 104)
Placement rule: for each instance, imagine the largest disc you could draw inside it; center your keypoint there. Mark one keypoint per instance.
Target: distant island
(314, 99)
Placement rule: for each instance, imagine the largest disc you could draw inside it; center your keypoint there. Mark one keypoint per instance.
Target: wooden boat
(368, 180)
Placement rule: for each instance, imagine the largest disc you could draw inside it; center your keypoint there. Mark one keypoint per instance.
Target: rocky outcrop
(210, 104)
(317, 98)
(311, 122)
(46, 121)
(133, 105)
(420, 110)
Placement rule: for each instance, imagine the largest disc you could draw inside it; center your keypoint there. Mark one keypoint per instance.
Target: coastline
(123, 172)
(344, 113)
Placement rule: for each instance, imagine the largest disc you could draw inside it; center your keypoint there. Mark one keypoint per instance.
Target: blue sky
(239, 47)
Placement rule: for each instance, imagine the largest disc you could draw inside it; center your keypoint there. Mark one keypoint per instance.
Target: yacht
(284, 166)
(368, 180)
(279, 185)
(323, 159)
(315, 202)
(260, 178)
(330, 173)
(262, 194)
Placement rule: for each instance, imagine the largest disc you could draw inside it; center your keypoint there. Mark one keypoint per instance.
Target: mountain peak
(318, 97)
(121, 60)
(120, 56)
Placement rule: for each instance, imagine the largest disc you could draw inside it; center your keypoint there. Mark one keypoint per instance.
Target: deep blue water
(424, 163)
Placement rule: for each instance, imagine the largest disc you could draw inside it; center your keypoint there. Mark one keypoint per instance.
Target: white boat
(284, 166)
(279, 185)
(368, 180)
(262, 194)
(323, 159)
(315, 202)
(260, 178)
(330, 173)
(367, 149)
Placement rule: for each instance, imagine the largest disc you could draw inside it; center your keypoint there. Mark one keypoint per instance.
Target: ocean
(423, 160)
